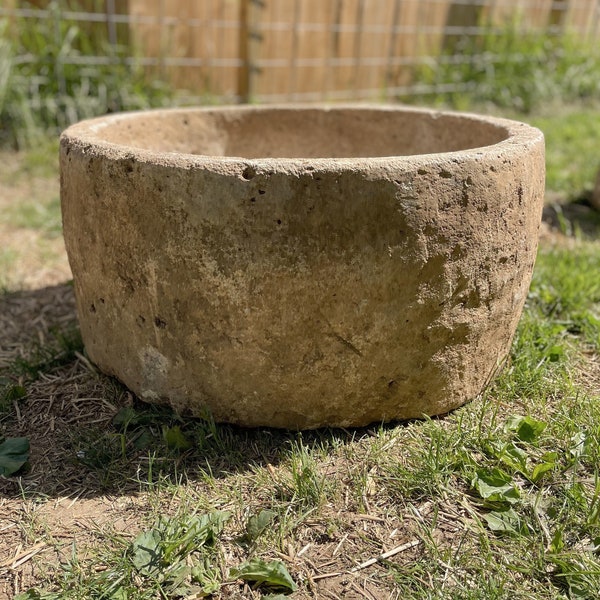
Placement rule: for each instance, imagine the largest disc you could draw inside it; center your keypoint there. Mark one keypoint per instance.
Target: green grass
(499, 499)
(177, 556)
(572, 154)
(42, 216)
(565, 293)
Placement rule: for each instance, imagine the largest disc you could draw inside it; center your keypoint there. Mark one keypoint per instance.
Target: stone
(301, 266)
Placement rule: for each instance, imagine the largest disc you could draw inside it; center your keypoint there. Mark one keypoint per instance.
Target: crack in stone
(346, 343)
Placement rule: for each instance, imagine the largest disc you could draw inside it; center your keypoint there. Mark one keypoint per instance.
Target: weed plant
(515, 68)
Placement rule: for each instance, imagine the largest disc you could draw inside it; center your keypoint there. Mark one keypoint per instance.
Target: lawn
(118, 499)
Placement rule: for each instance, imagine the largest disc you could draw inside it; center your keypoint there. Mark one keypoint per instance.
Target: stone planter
(301, 266)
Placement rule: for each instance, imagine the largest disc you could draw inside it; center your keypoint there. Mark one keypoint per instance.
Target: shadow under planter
(301, 266)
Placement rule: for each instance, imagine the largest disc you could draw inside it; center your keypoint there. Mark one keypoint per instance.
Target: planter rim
(87, 135)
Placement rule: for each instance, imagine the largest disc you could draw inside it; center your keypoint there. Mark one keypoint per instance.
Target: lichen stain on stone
(155, 371)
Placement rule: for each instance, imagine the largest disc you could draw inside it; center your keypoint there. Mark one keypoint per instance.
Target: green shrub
(515, 68)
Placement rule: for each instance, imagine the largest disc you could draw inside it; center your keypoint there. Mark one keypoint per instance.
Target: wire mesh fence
(283, 50)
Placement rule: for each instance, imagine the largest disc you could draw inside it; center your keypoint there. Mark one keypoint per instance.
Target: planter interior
(304, 133)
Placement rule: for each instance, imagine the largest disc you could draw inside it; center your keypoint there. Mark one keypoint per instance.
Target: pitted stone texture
(301, 266)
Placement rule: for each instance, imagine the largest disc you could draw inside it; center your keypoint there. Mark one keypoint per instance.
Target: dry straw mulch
(58, 403)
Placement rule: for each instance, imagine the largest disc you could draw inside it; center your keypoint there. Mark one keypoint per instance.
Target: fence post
(249, 45)
(460, 21)
(394, 25)
(558, 17)
(357, 50)
(333, 48)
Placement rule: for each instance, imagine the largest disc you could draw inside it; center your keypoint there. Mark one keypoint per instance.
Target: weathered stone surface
(301, 266)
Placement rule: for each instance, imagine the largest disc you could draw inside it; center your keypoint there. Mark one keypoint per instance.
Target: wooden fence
(272, 50)
(323, 49)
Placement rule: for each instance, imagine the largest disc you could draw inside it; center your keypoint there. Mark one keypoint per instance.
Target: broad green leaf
(176, 578)
(579, 444)
(494, 448)
(527, 429)
(557, 543)
(581, 586)
(494, 485)
(273, 574)
(580, 591)
(143, 440)
(208, 578)
(550, 457)
(125, 416)
(258, 523)
(163, 549)
(555, 353)
(505, 521)
(119, 594)
(580, 577)
(549, 462)
(14, 453)
(147, 552)
(515, 457)
(210, 525)
(274, 597)
(540, 470)
(129, 416)
(14, 392)
(175, 438)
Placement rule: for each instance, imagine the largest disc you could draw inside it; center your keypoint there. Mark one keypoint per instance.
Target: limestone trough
(301, 266)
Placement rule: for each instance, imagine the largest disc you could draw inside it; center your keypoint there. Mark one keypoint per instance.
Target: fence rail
(280, 50)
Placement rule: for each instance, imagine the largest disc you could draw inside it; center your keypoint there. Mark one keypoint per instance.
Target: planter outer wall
(299, 292)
